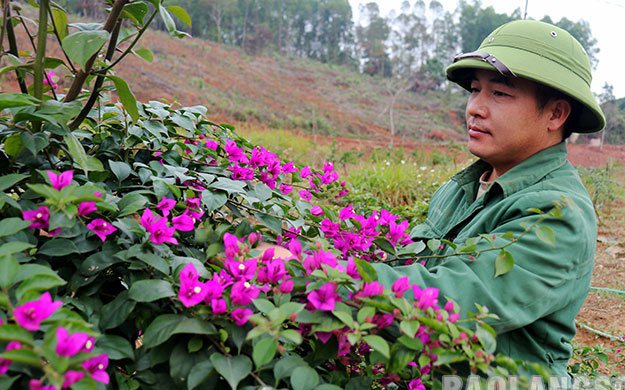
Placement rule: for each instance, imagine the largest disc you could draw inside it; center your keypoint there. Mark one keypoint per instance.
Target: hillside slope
(282, 92)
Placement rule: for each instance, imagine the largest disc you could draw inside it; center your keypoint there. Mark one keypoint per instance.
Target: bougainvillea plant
(140, 248)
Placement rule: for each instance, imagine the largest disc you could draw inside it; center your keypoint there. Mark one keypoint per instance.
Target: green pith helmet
(540, 52)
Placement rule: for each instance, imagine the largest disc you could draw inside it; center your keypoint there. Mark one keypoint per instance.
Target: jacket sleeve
(542, 280)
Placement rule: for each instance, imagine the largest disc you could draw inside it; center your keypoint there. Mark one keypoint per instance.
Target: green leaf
(304, 378)
(10, 226)
(115, 312)
(144, 53)
(120, 169)
(150, 290)
(166, 325)
(38, 284)
(10, 100)
(8, 181)
(116, 347)
(546, 235)
(434, 245)
(82, 45)
(366, 270)
(58, 247)
(346, 318)
(385, 245)
(213, 200)
(292, 335)
(60, 22)
(180, 14)
(8, 270)
(154, 261)
(195, 344)
(273, 223)
(487, 339)
(23, 356)
(233, 368)
(10, 332)
(135, 11)
(30, 270)
(13, 145)
(98, 262)
(400, 357)
(126, 97)
(170, 25)
(78, 154)
(201, 373)
(264, 351)
(229, 185)
(46, 191)
(327, 386)
(264, 305)
(503, 263)
(13, 247)
(378, 344)
(285, 366)
(409, 327)
(131, 203)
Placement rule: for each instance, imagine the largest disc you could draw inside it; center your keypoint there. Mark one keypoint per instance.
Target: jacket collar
(523, 175)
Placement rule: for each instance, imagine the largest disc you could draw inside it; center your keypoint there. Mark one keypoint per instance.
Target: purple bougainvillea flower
(289, 167)
(68, 345)
(241, 315)
(425, 298)
(241, 270)
(192, 291)
(243, 293)
(231, 243)
(86, 208)
(60, 181)
(218, 306)
(235, 154)
(71, 377)
(316, 211)
(160, 232)
(50, 78)
(184, 222)
(148, 219)
(166, 205)
(36, 384)
(324, 298)
(97, 367)
(214, 290)
(194, 209)
(287, 286)
(305, 172)
(101, 228)
(241, 173)
(305, 195)
(211, 144)
(416, 384)
(30, 314)
(285, 188)
(400, 286)
(5, 363)
(40, 218)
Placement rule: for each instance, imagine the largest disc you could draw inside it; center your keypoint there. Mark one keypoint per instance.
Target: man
(530, 87)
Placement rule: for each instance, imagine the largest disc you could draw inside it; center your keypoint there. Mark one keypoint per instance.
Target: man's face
(505, 125)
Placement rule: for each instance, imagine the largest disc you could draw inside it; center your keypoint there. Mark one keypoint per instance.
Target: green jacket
(537, 301)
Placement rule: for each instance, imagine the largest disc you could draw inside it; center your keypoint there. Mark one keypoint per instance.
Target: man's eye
(474, 89)
(499, 93)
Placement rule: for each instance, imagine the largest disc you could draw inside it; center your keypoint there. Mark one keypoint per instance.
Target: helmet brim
(542, 70)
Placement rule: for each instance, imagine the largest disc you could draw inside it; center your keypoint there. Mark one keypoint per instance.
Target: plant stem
(81, 76)
(42, 34)
(58, 39)
(13, 46)
(95, 93)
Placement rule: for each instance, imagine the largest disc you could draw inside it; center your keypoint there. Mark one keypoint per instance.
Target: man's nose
(476, 106)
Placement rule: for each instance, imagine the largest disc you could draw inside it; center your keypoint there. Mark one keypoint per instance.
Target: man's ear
(559, 110)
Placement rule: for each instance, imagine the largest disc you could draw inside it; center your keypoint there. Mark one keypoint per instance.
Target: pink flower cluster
(158, 226)
(355, 233)
(267, 167)
(40, 218)
(29, 316)
(237, 284)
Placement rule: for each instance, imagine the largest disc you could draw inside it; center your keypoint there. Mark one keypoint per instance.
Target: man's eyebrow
(502, 80)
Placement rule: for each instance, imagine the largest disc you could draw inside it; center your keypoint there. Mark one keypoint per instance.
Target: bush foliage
(134, 249)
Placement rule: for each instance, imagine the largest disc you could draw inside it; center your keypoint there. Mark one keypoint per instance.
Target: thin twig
(81, 77)
(598, 332)
(58, 38)
(13, 49)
